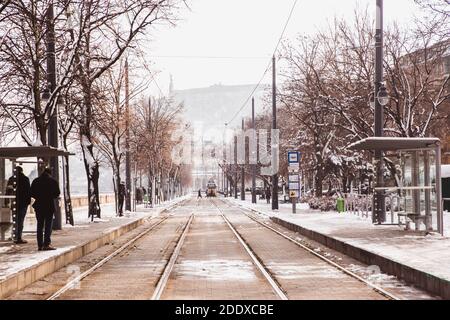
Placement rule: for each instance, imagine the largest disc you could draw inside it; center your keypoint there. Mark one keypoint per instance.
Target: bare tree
(111, 28)
(329, 83)
(110, 118)
(438, 6)
(153, 142)
(23, 75)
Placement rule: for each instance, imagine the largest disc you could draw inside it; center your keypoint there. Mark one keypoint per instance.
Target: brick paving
(135, 272)
(213, 264)
(427, 252)
(14, 258)
(300, 274)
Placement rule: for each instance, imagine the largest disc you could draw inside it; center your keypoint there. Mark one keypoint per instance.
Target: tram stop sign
(293, 161)
(293, 157)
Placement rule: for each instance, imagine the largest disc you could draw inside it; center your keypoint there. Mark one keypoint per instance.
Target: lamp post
(127, 142)
(253, 165)
(380, 99)
(235, 185)
(243, 166)
(225, 168)
(52, 133)
(274, 147)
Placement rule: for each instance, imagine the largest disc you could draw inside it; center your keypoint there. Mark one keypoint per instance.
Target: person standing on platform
(45, 191)
(268, 195)
(23, 199)
(122, 195)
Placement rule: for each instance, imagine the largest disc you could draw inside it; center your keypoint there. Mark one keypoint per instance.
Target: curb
(419, 278)
(27, 276)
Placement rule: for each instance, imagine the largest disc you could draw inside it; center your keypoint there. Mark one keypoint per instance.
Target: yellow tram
(211, 189)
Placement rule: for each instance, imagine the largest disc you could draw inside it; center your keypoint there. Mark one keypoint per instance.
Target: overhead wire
(268, 65)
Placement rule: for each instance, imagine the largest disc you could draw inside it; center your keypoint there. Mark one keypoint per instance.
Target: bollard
(340, 205)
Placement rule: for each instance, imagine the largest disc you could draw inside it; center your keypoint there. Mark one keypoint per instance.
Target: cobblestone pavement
(301, 274)
(213, 264)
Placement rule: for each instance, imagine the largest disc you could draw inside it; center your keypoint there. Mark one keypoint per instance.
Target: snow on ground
(23, 261)
(4, 249)
(430, 253)
(108, 213)
(15, 258)
(375, 276)
(294, 271)
(217, 270)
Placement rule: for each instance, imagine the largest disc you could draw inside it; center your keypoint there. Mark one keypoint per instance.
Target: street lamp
(382, 96)
(381, 99)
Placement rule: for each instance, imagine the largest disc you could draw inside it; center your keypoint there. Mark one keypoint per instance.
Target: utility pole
(243, 166)
(274, 148)
(127, 140)
(253, 166)
(225, 180)
(380, 211)
(235, 168)
(53, 123)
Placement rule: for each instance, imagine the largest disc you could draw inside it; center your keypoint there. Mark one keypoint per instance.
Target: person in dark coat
(45, 191)
(199, 193)
(139, 195)
(268, 195)
(122, 194)
(23, 199)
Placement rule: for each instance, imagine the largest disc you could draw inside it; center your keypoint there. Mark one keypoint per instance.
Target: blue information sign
(293, 157)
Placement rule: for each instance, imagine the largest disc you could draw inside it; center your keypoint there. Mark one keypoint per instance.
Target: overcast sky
(247, 32)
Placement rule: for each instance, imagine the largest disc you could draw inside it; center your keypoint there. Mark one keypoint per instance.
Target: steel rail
(99, 264)
(375, 287)
(170, 264)
(273, 283)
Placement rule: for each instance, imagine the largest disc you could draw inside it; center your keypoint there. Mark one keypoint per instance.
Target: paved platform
(21, 265)
(418, 258)
(213, 265)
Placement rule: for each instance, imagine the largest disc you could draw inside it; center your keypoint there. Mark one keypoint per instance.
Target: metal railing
(358, 204)
(361, 205)
(397, 207)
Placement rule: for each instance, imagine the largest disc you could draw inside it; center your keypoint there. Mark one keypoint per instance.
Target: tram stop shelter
(10, 157)
(417, 195)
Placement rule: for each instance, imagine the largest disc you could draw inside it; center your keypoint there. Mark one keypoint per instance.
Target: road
(211, 249)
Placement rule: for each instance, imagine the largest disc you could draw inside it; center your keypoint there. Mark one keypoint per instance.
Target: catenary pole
(127, 141)
(253, 165)
(380, 211)
(243, 165)
(274, 146)
(53, 123)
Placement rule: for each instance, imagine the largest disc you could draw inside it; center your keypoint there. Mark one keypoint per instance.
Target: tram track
(162, 282)
(173, 258)
(386, 294)
(256, 261)
(186, 252)
(104, 260)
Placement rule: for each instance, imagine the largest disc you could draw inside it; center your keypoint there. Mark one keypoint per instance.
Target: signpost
(293, 177)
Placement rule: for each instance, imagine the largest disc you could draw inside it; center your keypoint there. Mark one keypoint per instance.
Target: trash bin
(340, 205)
